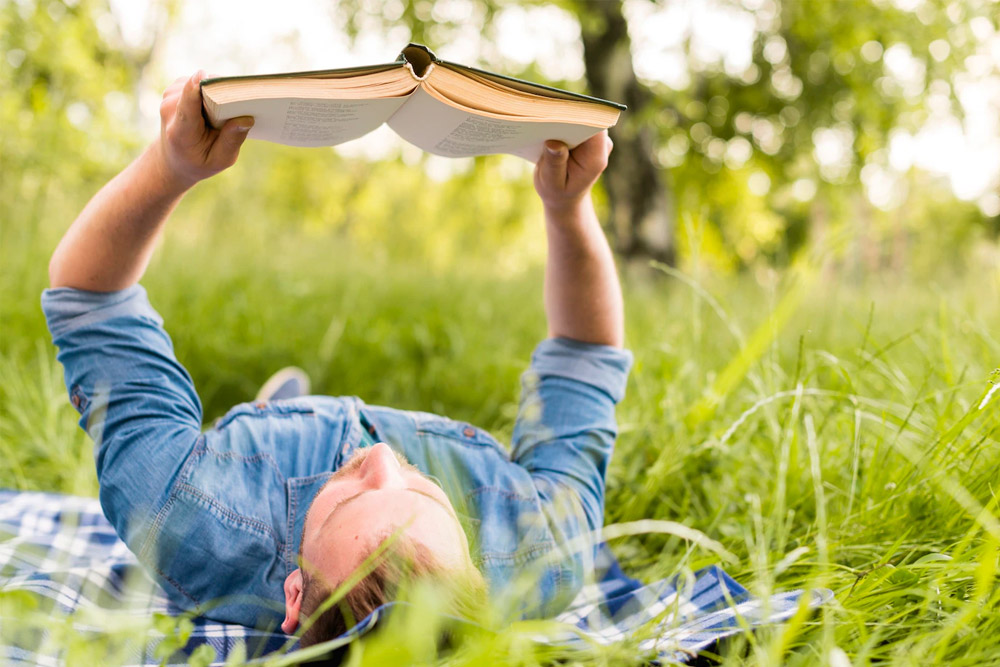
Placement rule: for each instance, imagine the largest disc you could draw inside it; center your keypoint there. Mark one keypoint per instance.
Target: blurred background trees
(757, 130)
(790, 144)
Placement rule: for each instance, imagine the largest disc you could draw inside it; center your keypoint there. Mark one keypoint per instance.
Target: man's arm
(108, 246)
(583, 299)
(135, 400)
(566, 428)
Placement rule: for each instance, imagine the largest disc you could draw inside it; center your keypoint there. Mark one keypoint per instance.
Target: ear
(293, 601)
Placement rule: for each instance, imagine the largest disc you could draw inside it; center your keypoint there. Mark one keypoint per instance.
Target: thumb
(552, 166)
(231, 137)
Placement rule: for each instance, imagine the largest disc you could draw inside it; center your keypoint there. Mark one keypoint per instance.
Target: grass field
(828, 432)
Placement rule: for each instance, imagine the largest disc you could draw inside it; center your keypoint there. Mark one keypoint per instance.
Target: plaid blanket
(59, 554)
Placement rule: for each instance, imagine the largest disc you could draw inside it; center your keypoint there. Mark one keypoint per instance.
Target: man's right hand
(563, 177)
(190, 149)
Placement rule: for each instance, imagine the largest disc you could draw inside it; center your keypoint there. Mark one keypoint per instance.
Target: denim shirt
(217, 516)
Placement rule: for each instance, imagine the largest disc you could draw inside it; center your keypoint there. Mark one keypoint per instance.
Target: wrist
(165, 178)
(571, 212)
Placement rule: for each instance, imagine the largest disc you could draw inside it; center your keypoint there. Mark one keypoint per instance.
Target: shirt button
(468, 431)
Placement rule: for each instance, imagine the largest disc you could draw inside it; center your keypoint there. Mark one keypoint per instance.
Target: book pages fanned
(438, 128)
(444, 108)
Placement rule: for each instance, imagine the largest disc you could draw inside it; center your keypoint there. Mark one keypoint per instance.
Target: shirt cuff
(67, 309)
(601, 366)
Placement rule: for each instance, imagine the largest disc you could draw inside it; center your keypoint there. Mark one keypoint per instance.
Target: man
(288, 499)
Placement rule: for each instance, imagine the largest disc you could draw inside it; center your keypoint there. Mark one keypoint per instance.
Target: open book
(441, 107)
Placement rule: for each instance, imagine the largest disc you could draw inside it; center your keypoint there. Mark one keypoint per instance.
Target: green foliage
(816, 67)
(38, 426)
(67, 101)
(323, 195)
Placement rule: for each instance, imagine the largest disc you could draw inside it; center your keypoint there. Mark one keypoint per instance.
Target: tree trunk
(641, 216)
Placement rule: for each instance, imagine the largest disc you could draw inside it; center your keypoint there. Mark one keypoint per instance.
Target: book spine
(413, 72)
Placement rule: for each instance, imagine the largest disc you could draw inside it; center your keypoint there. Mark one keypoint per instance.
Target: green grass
(827, 432)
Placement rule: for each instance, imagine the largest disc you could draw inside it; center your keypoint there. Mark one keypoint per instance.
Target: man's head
(375, 496)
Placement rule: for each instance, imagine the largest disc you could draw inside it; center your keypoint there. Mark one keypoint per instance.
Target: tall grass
(829, 433)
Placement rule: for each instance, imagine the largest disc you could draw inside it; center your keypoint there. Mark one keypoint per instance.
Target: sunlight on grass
(851, 441)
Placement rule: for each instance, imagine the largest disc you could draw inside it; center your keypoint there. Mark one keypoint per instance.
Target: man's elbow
(55, 271)
(69, 268)
(58, 273)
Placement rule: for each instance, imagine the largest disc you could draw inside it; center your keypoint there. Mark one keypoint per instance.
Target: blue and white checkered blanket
(62, 565)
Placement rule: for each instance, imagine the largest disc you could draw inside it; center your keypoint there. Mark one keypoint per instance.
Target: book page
(526, 86)
(311, 122)
(439, 128)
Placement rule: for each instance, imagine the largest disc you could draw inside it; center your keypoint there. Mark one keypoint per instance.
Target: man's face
(373, 495)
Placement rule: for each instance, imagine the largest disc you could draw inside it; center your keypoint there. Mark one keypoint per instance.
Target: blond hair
(404, 562)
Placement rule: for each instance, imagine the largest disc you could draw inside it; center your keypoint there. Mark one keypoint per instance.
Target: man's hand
(563, 177)
(192, 150)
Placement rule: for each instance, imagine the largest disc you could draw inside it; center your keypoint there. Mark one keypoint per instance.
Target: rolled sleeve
(601, 366)
(67, 309)
(135, 400)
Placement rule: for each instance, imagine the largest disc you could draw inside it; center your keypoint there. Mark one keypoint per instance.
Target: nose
(381, 470)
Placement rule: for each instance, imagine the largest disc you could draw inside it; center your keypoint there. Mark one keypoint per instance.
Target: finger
(592, 155)
(227, 145)
(189, 119)
(176, 86)
(552, 165)
(170, 97)
(167, 106)
(593, 146)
